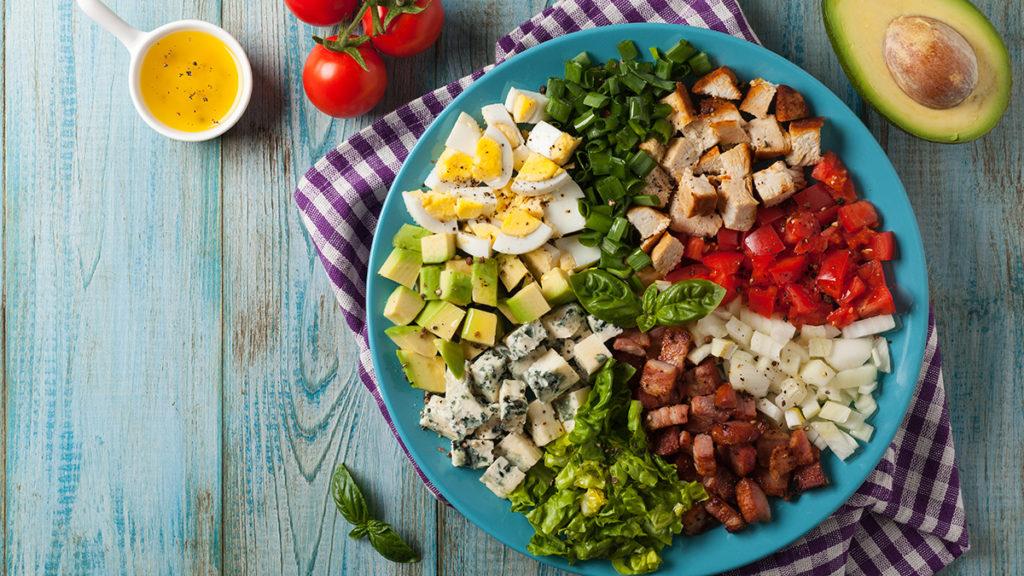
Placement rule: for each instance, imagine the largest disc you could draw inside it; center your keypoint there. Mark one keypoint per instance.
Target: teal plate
(717, 550)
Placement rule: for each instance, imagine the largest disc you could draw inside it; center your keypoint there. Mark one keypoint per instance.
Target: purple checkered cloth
(907, 518)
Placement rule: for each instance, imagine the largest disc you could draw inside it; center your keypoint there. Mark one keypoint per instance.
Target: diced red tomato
(689, 272)
(789, 269)
(695, 248)
(854, 290)
(816, 244)
(728, 239)
(827, 216)
(762, 300)
(764, 241)
(882, 247)
(872, 273)
(842, 317)
(769, 214)
(832, 274)
(761, 269)
(799, 227)
(801, 300)
(833, 174)
(878, 301)
(860, 238)
(723, 262)
(728, 281)
(853, 217)
(814, 198)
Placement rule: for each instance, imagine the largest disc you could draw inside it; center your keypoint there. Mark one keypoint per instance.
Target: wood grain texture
(113, 320)
(178, 381)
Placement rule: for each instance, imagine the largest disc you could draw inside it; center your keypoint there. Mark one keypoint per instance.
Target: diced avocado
(555, 287)
(437, 248)
(485, 282)
(528, 304)
(402, 306)
(936, 68)
(402, 266)
(408, 237)
(453, 356)
(425, 373)
(442, 318)
(456, 287)
(412, 338)
(471, 350)
(480, 327)
(503, 308)
(511, 271)
(459, 265)
(430, 282)
(541, 260)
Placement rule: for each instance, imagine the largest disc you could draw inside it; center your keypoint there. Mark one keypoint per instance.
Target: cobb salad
(639, 315)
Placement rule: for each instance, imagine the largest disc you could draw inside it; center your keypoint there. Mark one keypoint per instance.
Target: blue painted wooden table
(178, 382)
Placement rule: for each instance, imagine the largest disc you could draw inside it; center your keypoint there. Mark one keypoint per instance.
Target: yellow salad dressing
(189, 80)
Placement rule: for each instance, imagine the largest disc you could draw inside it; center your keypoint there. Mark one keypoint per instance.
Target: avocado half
(936, 68)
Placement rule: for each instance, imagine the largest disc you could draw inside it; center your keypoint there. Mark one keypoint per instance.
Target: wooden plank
(113, 324)
(294, 406)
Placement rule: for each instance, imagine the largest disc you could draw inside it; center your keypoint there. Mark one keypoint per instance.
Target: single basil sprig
(682, 302)
(352, 505)
(606, 297)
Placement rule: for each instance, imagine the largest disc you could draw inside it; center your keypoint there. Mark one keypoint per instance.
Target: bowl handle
(105, 17)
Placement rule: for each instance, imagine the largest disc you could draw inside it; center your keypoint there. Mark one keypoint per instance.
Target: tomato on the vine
(344, 80)
(407, 33)
(322, 12)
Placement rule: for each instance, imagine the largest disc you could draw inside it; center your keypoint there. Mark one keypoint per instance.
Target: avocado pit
(932, 62)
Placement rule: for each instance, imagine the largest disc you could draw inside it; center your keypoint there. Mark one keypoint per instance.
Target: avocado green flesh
(425, 373)
(453, 357)
(857, 31)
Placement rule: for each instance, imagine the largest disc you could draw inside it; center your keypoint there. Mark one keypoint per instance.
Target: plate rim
(915, 354)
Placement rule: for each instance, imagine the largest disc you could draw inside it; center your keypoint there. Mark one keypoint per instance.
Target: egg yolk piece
(454, 166)
(522, 109)
(440, 206)
(511, 133)
(487, 165)
(467, 208)
(483, 230)
(563, 148)
(537, 168)
(519, 223)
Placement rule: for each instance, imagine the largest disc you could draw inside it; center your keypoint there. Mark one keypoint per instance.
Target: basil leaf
(607, 297)
(646, 321)
(389, 544)
(650, 299)
(359, 532)
(688, 300)
(348, 498)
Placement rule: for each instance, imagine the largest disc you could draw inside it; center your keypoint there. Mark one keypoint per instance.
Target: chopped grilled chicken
(730, 132)
(805, 142)
(700, 134)
(759, 98)
(680, 155)
(790, 105)
(736, 161)
(648, 221)
(710, 162)
(658, 183)
(719, 110)
(776, 183)
(653, 147)
(648, 244)
(720, 83)
(736, 203)
(682, 107)
(667, 254)
(767, 137)
(696, 195)
(706, 225)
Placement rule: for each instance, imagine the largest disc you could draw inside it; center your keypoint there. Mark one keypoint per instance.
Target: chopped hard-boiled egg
(539, 175)
(519, 222)
(508, 244)
(496, 116)
(439, 205)
(492, 163)
(414, 205)
(464, 134)
(525, 106)
(473, 245)
(455, 167)
(552, 143)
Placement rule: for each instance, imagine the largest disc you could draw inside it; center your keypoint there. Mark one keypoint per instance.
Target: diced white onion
(792, 394)
(711, 325)
(770, 410)
(795, 418)
(756, 321)
(745, 376)
(855, 377)
(809, 332)
(698, 354)
(782, 331)
(863, 432)
(722, 348)
(810, 407)
(835, 438)
(739, 331)
(847, 353)
(819, 347)
(765, 345)
(869, 326)
(869, 389)
(854, 420)
(817, 373)
(866, 405)
(880, 355)
(835, 412)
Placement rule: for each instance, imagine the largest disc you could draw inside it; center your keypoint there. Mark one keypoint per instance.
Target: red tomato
(854, 290)
(872, 273)
(689, 272)
(408, 34)
(764, 241)
(832, 173)
(788, 269)
(814, 198)
(695, 248)
(814, 245)
(842, 317)
(801, 300)
(861, 238)
(853, 217)
(729, 282)
(760, 269)
(762, 300)
(728, 239)
(882, 247)
(878, 301)
(832, 274)
(800, 226)
(769, 214)
(723, 262)
(322, 12)
(337, 85)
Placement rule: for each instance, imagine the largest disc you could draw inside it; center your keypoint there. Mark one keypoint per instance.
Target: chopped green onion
(700, 64)
(663, 69)
(628, 51)
(598, 222)
(610, 188)
(610, 246)
(582, 122)
(597, 146)
(663, 129)
(634, 82)
(574, 71)
(661, 110)
(637, 109)
(559, 109)
(641, 163)
(618, 167)
(591, 238)
(646, 200)
(619, 228)
(595, 100)
(626, 139)
(583, 59)
(576, 91)
(681, 52)
(654, 52)
(556, 88)
(601, 163)
(612, 85)
(638, 127)
(638, 260)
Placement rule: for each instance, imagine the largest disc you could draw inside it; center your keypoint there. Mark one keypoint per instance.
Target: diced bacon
(725, 397)
(704, 407)
(675, 345)
(659, 378)
(753, 504)
(742, 459)
(666, 443)
(632, 342)
(685, 468)
(667, 416)
(746, 408)
(722, 483)
(767, 442)
(810, 477)
(695, 520)
(686, 442)
(707, 376)
(735, 432)
(781, 461)
(725, 514)
(801, 449)
(704, 455)
(773, 485)
(650, 402)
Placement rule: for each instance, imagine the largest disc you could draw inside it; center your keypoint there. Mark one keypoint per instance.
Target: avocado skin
(999, 103)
